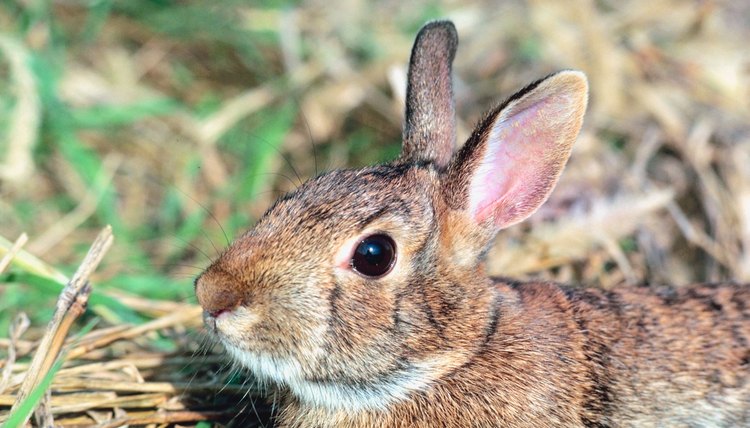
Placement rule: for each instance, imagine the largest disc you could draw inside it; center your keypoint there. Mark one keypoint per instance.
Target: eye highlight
(375, 256)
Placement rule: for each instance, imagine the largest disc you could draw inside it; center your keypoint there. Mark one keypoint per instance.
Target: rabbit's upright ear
(430, 126)
(512, 161)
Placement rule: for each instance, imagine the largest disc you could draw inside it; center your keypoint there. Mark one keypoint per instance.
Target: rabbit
(362, 297)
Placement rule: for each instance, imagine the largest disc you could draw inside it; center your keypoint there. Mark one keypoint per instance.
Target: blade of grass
(32, 264)
(99, 11)
(50, 287)
(103, 116)
(21, 412)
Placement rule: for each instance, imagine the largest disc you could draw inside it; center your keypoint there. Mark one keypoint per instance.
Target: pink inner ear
(525, 152)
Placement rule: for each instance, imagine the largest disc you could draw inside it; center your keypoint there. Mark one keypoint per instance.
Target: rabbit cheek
(273, 343)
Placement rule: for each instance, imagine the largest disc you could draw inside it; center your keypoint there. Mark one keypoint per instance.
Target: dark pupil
(374, 256)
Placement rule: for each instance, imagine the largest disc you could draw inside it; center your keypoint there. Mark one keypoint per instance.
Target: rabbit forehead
(342, 203)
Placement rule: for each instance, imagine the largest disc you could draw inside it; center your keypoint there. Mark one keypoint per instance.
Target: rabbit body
(555, 356)
(362, 295)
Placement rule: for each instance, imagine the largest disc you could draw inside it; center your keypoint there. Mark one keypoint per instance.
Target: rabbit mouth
(376, 395)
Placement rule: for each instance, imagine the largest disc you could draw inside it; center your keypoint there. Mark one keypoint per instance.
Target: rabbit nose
(216, 295)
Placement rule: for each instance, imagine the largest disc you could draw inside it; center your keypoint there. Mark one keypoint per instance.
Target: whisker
(210, 214)
(281, 154)
(309, 133)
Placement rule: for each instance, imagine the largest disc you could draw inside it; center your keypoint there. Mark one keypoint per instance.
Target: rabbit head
(365, 285)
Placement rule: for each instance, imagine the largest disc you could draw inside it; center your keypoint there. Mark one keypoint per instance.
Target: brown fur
(430, 113)
(436, 342)
(569, 357)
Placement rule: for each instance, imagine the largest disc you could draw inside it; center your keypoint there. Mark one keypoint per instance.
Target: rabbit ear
(430, 127)
(512, 161)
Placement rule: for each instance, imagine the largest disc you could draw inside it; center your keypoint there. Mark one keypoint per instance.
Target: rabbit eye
(374, 256)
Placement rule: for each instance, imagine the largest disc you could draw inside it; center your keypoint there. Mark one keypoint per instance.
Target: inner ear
(430, 124)
(515, 156)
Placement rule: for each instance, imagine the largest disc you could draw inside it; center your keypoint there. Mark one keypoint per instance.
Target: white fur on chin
(335, 396)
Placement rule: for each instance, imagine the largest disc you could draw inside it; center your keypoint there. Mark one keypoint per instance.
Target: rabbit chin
(377, 395)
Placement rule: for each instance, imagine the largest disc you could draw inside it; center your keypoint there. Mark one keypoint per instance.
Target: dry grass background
(174, 120)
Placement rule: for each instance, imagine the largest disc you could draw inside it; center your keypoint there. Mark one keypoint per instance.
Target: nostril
(216, 314)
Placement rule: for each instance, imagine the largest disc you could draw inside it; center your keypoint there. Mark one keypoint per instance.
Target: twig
(187, 316)
(43, 413)
(70, 304)
(8, 257)
(164, 418)
(93, 384)
(19, 326)
(72, 403)
(697, 236)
